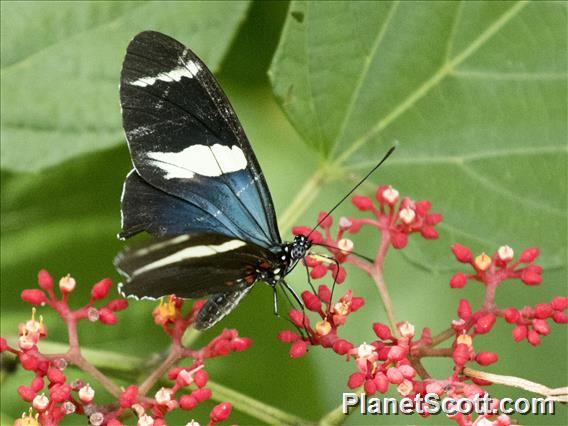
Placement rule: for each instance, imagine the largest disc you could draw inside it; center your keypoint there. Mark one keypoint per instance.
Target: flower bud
(298, 349)
(529, 255)
(288, 336)
(531, 275)
(128, 397)
(117, 304)
(200, 377)
(100, 290)
(355, 380)
(533, 338)
(512, 315)
(397, 353)
(342, 347)
(44, 280)
(26, 393)
(327, 222)
(221, 412)
(520, 333)
(462, 254)
(459, 280)
(559, 303)
(311, 301)
(486, 358)
(381, 382)
(484, 324)
(382, 331)
(407, 371)
(461, 354)
(543, 310)
(399, 240)
(369, 387)
(34, 297)
(318, 271)
(362, 203)
(201, 394)
(239, 344)
(106, 316)
(60, 392)
(55, 375)
(560, 317)
(464, 309)
(541, 326)
(37, 384)
(395, 376)
(67, 284)
(188, 402)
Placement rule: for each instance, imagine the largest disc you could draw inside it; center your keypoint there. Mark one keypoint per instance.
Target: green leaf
(473, 92)
(61, 65)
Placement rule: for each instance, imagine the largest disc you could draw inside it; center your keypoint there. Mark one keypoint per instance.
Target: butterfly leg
(275, 295)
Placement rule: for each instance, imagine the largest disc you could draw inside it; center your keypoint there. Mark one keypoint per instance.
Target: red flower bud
(370, 387)
(462, 254)
(117, 304)
(129, 396)
(188, 402)
(44, 280)
(397, 353)
(327, 222)
(239, 344)
(201, 394)
(382, 382)
(60, 392)
(26, 393)
(399, 240)
(428, 232)
(106, 316)
(221, 412)
(533, 338)
(342, 347)
(298, 349)
(531, 275)
(357, 303)
(287, 336)
(407, 371)
(486, 358)
(464, 310)
(34, 297)
(520, 333)
(529, 255)
(318, 271)
(434, 218)
(222, 347)
(560, 317)
(200, 378)
(382, 331)
(100, 290)
(512, 315)
(484, 324)
(301, 230)
(543, 310)
(297, 318)
(324, 293)
(459, 280)
(395, 376)
(341, 274)
(461, 354)
(55, 375)
(362, 203)
(355, 380)
(3, 344)
(541, 327)
(559, 303)
(28, 361)
(37, 384)
(311, 301)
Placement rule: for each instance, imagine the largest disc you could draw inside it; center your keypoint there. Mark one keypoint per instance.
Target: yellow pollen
(465, 339)
(323, 327)
(167, 310)
(341, 308)
(482, 261)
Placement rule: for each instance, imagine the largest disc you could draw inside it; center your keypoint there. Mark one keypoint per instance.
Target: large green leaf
(61, 62)
(474, 92)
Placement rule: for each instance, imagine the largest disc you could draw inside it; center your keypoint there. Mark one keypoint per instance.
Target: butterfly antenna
(387, 155)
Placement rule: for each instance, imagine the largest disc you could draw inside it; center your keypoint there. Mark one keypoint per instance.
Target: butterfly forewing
(186, 141)
(191, 266)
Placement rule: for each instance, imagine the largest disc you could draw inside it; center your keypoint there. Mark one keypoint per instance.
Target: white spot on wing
(190, 70)
(191, 253)
(199, 159)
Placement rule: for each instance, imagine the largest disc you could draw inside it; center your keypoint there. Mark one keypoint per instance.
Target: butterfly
(196, 187)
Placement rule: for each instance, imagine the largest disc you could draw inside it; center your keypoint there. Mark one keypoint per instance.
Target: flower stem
(174, 355)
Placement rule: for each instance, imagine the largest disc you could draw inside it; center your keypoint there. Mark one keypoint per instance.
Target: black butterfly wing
(191, 266)
(186, 141)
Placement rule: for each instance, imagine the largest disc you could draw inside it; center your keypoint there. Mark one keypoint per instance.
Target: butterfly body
(196, 187)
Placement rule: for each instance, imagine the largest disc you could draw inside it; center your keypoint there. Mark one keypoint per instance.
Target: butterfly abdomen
(217, 307)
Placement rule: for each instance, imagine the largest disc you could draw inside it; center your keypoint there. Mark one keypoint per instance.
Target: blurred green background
(473, 93)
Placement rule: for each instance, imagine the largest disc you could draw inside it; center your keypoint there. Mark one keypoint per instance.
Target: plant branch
(558, 394)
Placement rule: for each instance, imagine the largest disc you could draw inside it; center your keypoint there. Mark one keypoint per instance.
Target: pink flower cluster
(53, 396)
(394, 357)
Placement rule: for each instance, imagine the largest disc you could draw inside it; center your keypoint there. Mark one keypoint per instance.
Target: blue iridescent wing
(194, 169)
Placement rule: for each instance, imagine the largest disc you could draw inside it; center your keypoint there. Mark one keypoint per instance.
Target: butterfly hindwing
(186, 141)
(191, 266)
